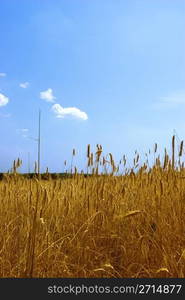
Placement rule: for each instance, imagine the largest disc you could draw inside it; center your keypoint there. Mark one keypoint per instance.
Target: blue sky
(110, 72)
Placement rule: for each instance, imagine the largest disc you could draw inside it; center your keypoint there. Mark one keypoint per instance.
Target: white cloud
(3, 100)
(176, 98)
(24, 85)
(5, 115)
(47, 95)
(2, 74)
(170, 101)
(24, 130)
(62, 112)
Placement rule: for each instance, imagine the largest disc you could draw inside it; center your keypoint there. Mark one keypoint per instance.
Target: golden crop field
(130, 225)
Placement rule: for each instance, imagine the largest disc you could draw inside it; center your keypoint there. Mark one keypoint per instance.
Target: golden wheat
(129, 225)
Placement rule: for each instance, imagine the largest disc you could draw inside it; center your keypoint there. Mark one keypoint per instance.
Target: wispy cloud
(171, 101)
(23, 132)
(20, 130)
(5, 115)
(2, 74)
(24, 85)
(3, 100)
(62, 112)
(47, 95)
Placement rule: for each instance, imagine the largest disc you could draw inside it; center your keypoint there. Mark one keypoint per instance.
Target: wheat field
(103, 225)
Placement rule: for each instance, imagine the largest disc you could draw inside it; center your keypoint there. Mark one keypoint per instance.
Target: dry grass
(96, 226)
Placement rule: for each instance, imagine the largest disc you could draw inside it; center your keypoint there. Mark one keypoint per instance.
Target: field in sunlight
(95, 226)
